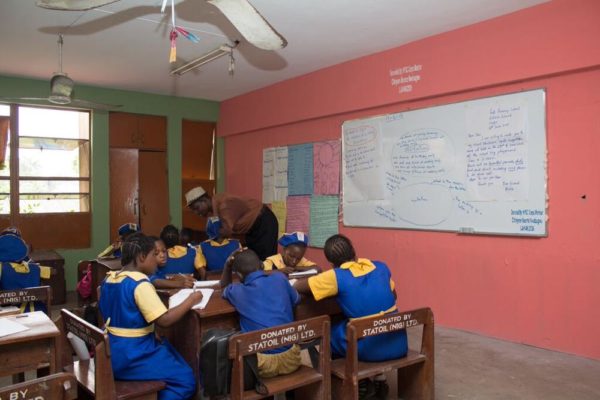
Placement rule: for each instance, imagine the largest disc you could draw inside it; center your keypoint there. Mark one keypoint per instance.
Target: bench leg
(343, 389)
(415, 382)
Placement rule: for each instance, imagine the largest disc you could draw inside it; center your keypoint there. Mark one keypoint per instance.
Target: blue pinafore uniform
(362, 289)
(215, 254)
(129, 305)
(180, 260)
(22, 275)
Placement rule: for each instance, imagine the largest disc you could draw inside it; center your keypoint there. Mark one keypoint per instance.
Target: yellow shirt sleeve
(106, 252)
(323, 285)
(305, 263)
(148, 301)
(268, 265)
(45, 272)
(200, 260)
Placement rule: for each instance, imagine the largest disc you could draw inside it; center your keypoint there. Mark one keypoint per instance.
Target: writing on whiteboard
(423, 152)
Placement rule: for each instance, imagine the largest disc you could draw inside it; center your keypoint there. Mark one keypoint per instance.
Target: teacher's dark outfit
(248, 217)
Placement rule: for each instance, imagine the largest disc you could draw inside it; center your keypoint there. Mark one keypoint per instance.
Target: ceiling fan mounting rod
(60, 43)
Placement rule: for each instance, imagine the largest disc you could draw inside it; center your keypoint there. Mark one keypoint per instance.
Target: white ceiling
(125, 45)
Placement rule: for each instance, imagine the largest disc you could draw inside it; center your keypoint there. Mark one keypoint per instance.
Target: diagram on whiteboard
(477, 166)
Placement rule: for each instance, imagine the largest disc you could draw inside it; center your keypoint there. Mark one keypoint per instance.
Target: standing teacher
(240, 216)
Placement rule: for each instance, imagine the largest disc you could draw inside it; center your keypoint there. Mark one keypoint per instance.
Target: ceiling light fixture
(225, 49)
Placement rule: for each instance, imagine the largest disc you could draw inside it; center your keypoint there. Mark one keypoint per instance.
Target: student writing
(130, 306)
(292, 257)
(362, 288)
(262, 301)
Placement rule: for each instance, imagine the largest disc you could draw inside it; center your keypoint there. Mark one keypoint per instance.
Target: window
(44, 165)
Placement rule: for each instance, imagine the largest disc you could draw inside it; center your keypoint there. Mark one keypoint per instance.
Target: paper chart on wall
(268, 175)
(279, 208)
(326, 159)
(298, 214)
(281, 174)
(323, 219)
(300, 169)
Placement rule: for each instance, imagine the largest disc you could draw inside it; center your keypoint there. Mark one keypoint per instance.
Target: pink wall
(537, 291)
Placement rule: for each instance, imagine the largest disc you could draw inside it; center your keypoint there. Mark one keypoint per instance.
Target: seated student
(176, 281)
(362, 288)
(16, 273)
(291, 258)
(185, 237)
(262, 301)
(131, 307)
(114, 250)
(215, 251)
(180, 259)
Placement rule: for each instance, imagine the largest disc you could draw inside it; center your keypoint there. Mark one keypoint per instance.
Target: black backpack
(215, 365)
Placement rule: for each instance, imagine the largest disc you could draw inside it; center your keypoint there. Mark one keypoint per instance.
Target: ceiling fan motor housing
(61, 88)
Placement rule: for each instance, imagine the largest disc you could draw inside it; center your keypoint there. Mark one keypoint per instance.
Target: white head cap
(194, 194)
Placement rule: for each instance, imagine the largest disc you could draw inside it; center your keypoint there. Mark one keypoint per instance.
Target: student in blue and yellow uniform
(114, 250)
(180, 259)
(362, 288)
(291, 258)
(262, 301)
(214, 252)
(175, 281)
(130, 306)
(16, 273)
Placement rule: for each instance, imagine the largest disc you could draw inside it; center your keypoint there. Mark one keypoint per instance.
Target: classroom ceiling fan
(242, 15)
(61, 90)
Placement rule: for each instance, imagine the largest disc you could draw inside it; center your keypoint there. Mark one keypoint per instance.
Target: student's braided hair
(338, 250)
(170, 235)
(135, 245)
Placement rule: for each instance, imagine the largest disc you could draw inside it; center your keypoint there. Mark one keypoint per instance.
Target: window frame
(48, 229)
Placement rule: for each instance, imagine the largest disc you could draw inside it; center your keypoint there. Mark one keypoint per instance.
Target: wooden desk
(219, 313)
(31, 349)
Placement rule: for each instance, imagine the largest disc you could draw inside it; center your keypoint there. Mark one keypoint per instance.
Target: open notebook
(300, 274)
(183, 294)
(8, 327)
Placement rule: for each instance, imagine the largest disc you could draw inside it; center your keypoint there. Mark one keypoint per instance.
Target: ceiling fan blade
(93, 105)
(73, 5)
(248, 21)
(12, 99)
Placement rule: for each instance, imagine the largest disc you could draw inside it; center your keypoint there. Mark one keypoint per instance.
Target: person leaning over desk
(239, 216)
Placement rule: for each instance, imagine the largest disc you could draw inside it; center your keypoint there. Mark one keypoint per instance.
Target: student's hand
(195, 297)
(117, 244)
(186, 281)
(229, 262)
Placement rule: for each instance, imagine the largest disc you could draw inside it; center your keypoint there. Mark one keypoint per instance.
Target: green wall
(174, 108)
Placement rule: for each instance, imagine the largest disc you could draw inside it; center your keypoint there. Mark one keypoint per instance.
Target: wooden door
(124, 187)
(154, 191)
(196, 152)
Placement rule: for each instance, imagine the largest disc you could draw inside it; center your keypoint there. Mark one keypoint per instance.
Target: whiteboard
(476, 166)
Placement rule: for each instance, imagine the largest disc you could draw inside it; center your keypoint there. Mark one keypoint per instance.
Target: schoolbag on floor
(215, 365)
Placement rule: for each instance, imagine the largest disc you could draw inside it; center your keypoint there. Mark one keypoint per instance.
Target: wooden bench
(62, 386)
(95, 376)
(311, 383)
(16, 297)
(415, 370)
